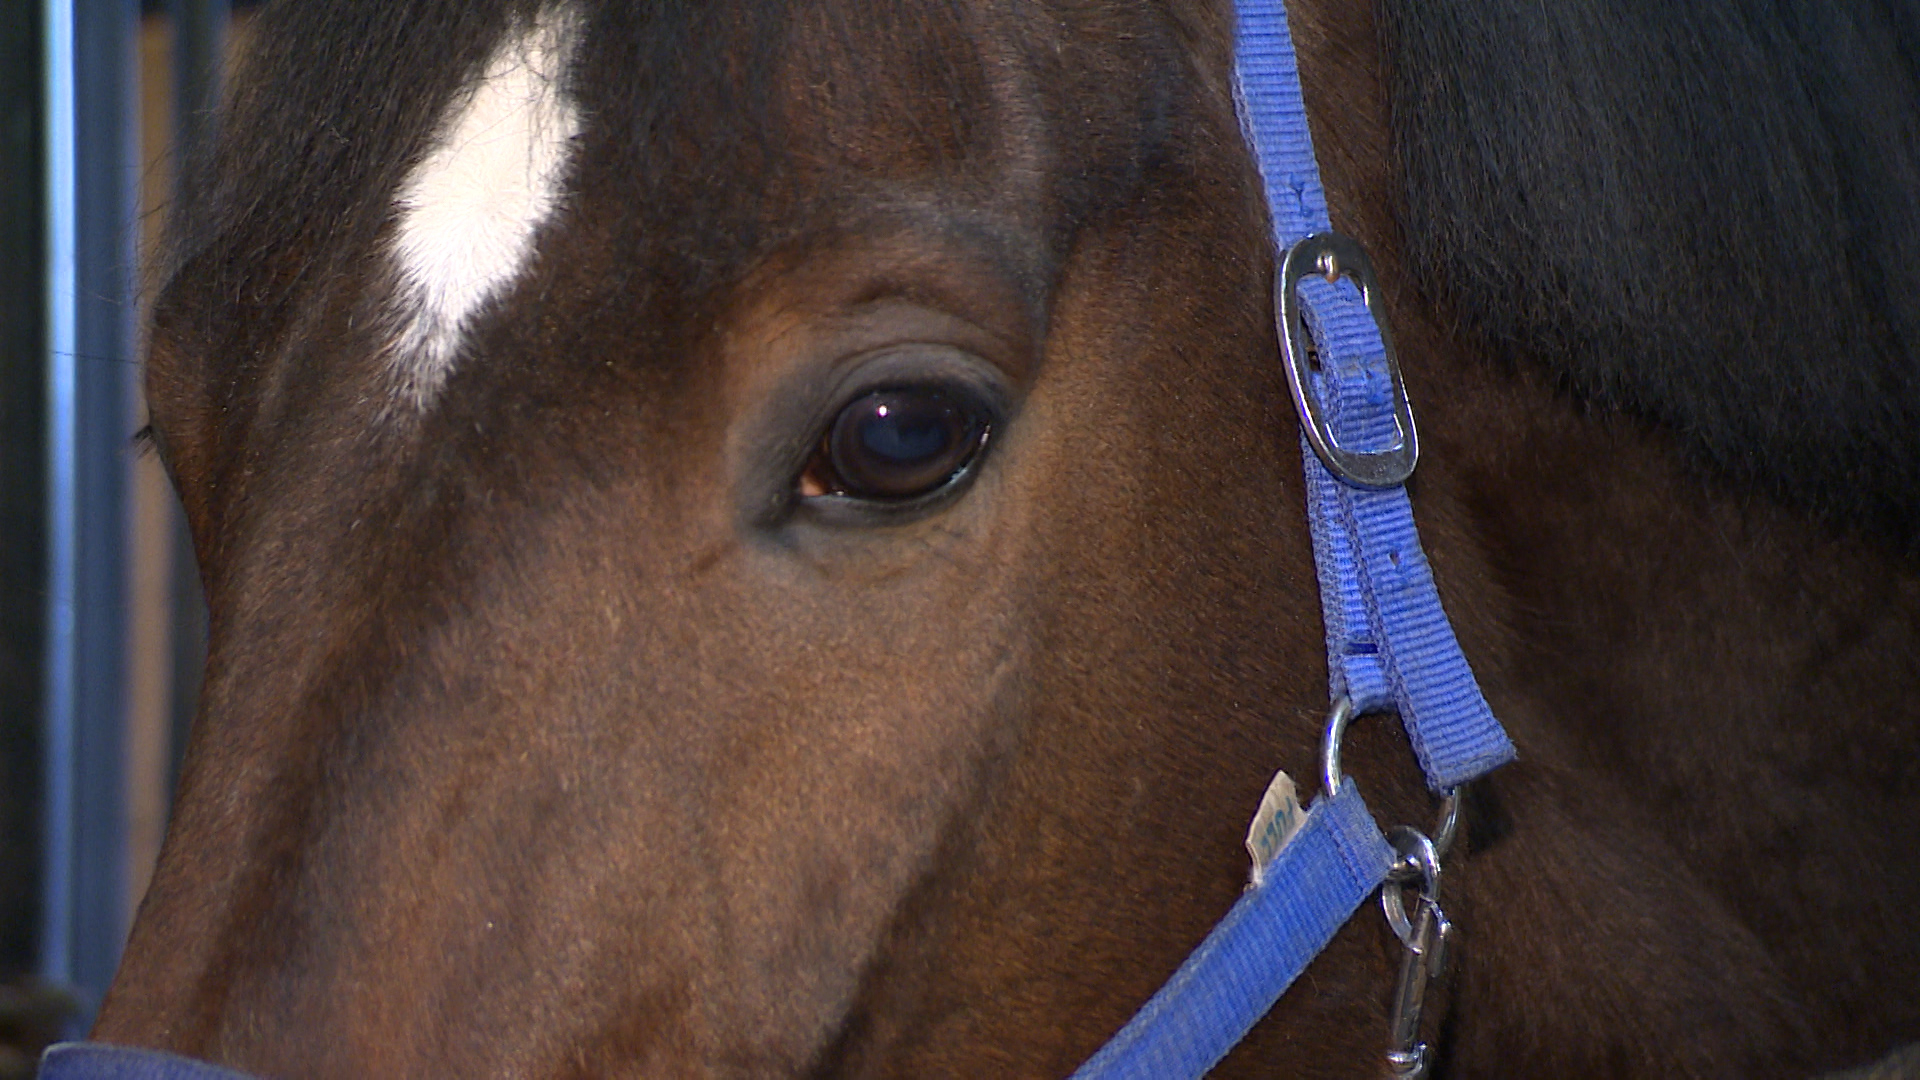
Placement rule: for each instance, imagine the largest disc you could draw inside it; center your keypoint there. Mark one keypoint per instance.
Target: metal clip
(1330, 775)
(1425, 937)
(1332, 256)
(1424, 932)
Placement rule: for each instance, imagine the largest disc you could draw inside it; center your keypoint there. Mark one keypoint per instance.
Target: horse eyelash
(143, 442)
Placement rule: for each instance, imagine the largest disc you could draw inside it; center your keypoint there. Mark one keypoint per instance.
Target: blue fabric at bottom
(1336, 860)
(104, 1061)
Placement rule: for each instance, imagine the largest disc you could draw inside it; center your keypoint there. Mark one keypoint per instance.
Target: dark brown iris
(895, 445)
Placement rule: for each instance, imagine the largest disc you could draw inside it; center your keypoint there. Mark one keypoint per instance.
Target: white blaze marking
(469, 211)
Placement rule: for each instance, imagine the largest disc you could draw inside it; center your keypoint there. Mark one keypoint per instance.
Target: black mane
(1704, 213)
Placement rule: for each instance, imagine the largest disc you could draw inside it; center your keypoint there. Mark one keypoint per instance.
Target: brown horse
(606, 680)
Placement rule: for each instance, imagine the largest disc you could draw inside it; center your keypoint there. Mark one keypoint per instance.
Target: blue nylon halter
(103, 1061)
(1389, 646)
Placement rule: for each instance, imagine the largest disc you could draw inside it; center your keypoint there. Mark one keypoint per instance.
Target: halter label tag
(1278, 818)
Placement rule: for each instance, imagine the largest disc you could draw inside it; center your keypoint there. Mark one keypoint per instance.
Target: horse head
(714, 514)
(755, 538)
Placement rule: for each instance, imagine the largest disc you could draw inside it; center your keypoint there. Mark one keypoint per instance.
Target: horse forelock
(706, 115)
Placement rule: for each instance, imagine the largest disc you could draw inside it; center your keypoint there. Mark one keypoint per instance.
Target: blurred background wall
(101, 624)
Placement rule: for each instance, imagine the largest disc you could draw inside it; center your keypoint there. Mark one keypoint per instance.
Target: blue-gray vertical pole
(56, 916)
(93, 172)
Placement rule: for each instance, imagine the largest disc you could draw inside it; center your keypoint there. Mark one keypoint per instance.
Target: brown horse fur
(547, 733)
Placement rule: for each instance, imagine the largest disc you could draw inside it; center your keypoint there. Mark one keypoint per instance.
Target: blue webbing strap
(103, 1061)
(1389, 644)
(1333, 863)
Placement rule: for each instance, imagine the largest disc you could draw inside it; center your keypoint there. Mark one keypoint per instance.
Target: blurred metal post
(91, 71)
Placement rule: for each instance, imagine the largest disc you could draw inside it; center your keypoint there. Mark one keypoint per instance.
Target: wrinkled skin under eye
(896, 445)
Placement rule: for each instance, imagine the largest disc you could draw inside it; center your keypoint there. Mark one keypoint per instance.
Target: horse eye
(898, 444)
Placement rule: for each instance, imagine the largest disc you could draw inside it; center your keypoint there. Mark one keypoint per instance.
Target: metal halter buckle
(1333, 256)
(1424, 932)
